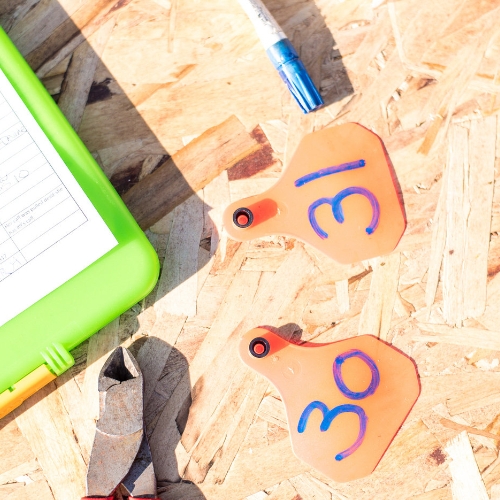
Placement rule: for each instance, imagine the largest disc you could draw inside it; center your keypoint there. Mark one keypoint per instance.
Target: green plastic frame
(102, 291)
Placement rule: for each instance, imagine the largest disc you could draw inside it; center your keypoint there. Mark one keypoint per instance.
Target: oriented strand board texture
(140, 80)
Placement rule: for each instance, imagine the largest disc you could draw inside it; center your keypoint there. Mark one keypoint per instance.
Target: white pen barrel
(268, 30)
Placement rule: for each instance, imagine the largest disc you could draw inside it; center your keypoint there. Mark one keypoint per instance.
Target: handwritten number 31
(329, 415)
(336, 201)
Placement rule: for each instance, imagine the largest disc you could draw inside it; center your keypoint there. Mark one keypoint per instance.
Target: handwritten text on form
(49, 230)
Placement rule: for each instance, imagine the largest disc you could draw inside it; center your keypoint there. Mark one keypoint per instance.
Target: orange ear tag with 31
(337, 194)
(345, 401)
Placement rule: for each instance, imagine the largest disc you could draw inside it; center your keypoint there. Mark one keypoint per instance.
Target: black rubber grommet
(242, 211)
(261, 342)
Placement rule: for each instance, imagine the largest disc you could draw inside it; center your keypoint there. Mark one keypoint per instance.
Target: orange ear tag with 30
(337, 194)
(344, 401)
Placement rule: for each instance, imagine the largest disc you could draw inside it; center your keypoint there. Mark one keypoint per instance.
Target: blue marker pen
(283, 56)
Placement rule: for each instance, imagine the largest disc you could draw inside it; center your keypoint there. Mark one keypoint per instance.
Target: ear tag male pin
(344, 401)
(337, 194)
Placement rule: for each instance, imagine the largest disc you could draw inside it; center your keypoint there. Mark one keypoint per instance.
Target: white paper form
(49, 229)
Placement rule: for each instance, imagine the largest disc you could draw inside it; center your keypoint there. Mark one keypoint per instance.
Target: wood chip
(273, 410)
(310, 488)
(342, 289)
(471, 398)
(178, 284)
(466, 480)
(67, 36)
(216, 197)
(377, 313)
(251, 467)
(42, 419)
(473, 337)
(471, 430)
(80, 75)
(437, 494)
(482, 137)
(189, 170)
(469, 192)
(285, 491)
(235, 306)
(410, 443)
(457, 207)
(495, 492)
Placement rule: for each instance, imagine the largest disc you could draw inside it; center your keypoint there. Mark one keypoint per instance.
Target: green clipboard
(72, 258)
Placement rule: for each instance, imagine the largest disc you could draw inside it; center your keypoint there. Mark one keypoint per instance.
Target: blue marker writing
(329, 415)
(336, 169)
(283, 56)
(338, 213)
(339, 380)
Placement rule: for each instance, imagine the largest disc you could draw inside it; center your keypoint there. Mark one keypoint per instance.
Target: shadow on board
(128, 151)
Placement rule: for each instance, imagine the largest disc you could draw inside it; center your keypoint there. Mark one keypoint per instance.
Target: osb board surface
(158, 73)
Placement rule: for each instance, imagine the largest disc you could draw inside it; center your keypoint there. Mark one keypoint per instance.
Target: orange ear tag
(344, 401)
(338, 194)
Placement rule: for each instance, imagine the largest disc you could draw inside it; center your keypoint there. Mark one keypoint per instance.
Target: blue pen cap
(293, 72)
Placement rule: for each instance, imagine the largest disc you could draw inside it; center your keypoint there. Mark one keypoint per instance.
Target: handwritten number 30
(329, 415)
